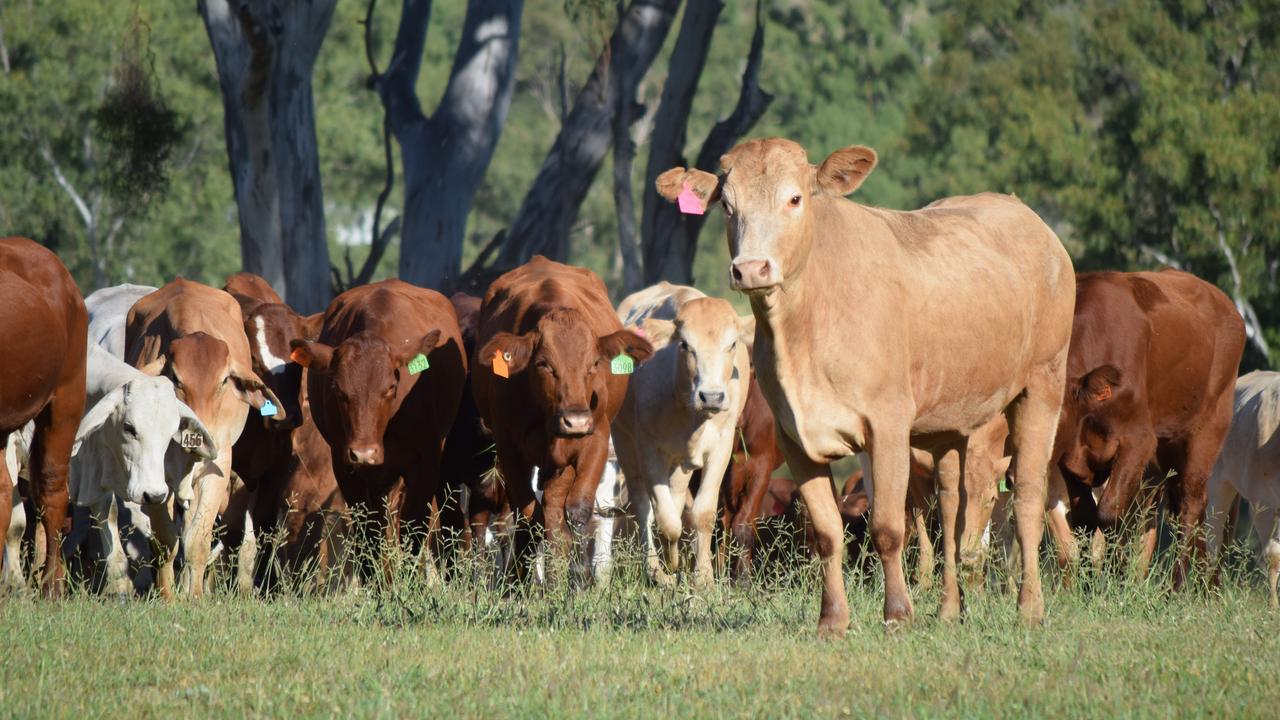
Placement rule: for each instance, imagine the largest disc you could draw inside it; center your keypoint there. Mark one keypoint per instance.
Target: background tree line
(150, 139)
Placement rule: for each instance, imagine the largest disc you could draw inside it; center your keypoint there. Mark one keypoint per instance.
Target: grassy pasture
(1112, 645)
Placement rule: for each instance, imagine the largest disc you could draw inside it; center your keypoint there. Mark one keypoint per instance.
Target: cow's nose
(711, 399)
(575, 424)
(154, 498)
(364, 454)
(752, 274)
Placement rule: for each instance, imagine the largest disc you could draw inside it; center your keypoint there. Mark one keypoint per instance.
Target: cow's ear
(410, 350)
(98, 416)
(515, 350)
(254, 392)
(1101, 383)
(188, 422)
(658, 331)
(314, 356)
(1002, 466)
(625, 341)
(155, 367)
(311, 325)
(703, 184)
(855, 504)
(844, 170)
(747, 330)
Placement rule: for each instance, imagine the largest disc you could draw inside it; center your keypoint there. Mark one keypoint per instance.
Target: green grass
(1110, 646)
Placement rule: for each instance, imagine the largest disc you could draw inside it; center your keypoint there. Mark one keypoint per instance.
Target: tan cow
(680, 415)
(881, 329)
(1249, 466)
(194, 335)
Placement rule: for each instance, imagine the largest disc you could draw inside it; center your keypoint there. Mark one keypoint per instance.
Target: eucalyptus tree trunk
(445, 156)
(265, 52)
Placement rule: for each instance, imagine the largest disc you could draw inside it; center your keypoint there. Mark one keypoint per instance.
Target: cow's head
(207, 379)
(364, 374)
(566, 365)
(766, 190)
(1093, 409)
(270, 329)
(985, 465)
(132, 427)
(707, 335)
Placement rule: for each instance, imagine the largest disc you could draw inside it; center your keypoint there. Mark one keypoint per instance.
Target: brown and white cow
(680, 416)
(1150, 376)
(544, 385)
(382, 409)
(42, 379)
(193, 334)
(881, 329)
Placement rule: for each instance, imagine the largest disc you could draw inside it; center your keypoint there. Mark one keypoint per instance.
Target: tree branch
(1253, 327)
(397, 85)
(85, 213)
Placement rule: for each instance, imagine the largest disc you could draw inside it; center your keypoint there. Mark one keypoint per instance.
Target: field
(1112, 645)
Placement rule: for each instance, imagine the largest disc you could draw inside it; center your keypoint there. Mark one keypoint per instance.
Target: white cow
(680, 415)
(1249, 466)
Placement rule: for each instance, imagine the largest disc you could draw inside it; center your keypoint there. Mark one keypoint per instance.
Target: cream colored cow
(1249, 466)
(680, 414)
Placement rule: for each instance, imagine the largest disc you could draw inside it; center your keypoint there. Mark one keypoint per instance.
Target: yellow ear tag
(500, 367)
(418, 364)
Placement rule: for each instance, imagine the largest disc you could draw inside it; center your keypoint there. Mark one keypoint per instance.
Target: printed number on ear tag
(418, 364)
(192, 439)
(500, 366)
(689, 202)
(622, 364)
(268, 409)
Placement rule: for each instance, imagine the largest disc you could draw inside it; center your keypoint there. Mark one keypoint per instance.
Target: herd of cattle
(948, 346)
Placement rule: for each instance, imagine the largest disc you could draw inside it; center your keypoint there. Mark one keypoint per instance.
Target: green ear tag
(1004, 483)
(622, 364)
(418, 364)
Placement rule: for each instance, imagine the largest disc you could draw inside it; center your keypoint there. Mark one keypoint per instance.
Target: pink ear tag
(690, 203)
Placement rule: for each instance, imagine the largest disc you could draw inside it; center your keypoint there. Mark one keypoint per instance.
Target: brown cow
(742, 494)
(194, 335)
(544, 385)
(42, 379)
(384, 415)
(1150, 384)
(880, 329)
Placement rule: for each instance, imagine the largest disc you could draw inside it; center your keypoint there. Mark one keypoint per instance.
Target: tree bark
(549, 209)
(265, 52)
(445, 156)
(624, 151)
(670, 238)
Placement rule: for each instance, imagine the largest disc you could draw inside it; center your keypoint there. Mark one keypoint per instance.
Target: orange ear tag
(300, 357)
(1103, 395)
(500, 367)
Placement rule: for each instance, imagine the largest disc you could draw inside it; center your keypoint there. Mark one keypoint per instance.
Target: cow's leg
(10, 549)
(55, 431)
(555, 497)
(949, 464)
(1217, 513)
(748, 516)
(1064, 539)
(925, 556)
(421, 507)
(1033, 423)
(164, 541)
(1193, 482)
(104, 519)
(516, 476)
(890, 465)
(669, 503)
(1266, 521)
(815, 484)
(704, 513)
(197, 534)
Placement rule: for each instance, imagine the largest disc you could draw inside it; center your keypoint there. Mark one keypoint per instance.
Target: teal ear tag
(418, 364)
(622, 364)
(268, 409)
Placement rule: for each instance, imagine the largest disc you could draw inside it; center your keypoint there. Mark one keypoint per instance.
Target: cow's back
(180, 308)
(1250, 458)
(108, 310)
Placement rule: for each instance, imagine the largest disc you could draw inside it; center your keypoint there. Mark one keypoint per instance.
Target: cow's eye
(129, 429)
(684, 346)
(225, 380)
(795, 201)
(545, 366)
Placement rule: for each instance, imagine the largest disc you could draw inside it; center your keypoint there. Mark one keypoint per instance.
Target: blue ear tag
(418, 364)
(268, 409)
(622, 364)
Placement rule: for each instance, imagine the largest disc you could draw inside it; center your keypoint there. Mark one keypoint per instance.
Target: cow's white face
(707, 335)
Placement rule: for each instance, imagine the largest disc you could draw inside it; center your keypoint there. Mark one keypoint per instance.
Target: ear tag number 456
(622, 364)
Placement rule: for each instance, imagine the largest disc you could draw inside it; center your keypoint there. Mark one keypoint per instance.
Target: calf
(384, 380)
(1149, 385)
(194, 335)
(680, 416)
(880, 330)
(42, 379)
(1249, 467)
(546, 386)
(755, 457)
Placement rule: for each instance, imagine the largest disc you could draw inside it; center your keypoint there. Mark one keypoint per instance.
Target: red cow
(384, 381)
(545, 385)
(755, 457)
(42, 379)
(1150, 379)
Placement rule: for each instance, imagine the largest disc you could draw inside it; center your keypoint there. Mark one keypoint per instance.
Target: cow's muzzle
(574, 423)
(711, 401)
(364, 454)
(754, 274)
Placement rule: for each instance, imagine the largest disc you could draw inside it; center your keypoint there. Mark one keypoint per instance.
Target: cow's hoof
(1032, 613)
(704, 578)
(949, 611)
(831, 631)
(662, 579)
